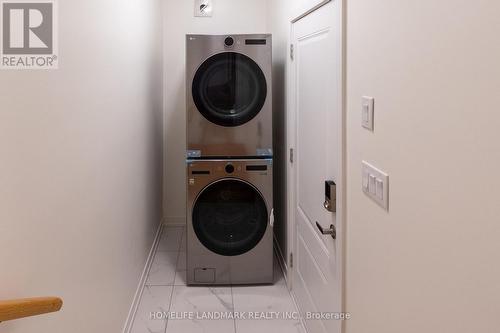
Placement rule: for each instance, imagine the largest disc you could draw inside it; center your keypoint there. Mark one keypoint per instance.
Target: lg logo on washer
(29, 34)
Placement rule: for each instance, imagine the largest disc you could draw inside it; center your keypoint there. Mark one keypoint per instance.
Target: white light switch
(379, 189)
(375, 184)
(371, 184)
(365, 182)
(367, 112)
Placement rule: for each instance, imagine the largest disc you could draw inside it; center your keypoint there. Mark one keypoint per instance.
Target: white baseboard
(284, 268)
(142, 281)
(302, 321)
(175, 221)
(281, 260)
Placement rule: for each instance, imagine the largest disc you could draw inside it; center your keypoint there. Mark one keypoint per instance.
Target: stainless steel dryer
(230, 222)
(229, 103)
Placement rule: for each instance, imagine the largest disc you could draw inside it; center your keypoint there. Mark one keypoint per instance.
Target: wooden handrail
(20, 308)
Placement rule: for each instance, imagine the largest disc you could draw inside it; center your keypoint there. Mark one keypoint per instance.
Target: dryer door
(229, 89)
(230, 217)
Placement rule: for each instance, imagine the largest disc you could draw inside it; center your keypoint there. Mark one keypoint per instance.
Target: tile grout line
(175, 275)
(234, 309)
(164, 251)
(171, 295)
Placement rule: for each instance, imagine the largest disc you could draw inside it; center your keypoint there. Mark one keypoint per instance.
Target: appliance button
(229, 168)
(229, 41)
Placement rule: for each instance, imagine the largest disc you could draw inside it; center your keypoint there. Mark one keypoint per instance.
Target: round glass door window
(229, 89)
(230, 217)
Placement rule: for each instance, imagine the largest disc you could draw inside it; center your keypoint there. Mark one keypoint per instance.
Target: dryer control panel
(231, 168)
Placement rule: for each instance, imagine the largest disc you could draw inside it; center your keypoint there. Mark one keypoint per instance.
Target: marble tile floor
(241, 309)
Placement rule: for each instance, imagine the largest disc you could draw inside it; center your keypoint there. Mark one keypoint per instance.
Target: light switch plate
(367, 112)
(203, 8)
(375, 184)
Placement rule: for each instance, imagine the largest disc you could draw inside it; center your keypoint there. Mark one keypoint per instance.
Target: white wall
(80, 170)
(229, 17)
(431, 263)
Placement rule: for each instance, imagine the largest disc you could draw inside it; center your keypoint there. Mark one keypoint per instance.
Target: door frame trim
(291, 144)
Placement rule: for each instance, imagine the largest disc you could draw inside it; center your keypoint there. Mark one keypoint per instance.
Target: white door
(316, 137)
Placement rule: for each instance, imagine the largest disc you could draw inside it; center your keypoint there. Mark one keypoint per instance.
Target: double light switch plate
(375, 184)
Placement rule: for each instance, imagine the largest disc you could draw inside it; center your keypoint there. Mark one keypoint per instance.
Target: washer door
(229, 89)
(230, 217)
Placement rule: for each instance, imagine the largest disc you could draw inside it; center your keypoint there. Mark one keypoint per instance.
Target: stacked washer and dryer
(229, 159)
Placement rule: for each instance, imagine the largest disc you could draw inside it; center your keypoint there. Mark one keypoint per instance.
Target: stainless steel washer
(230, 222)
(229, 96)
